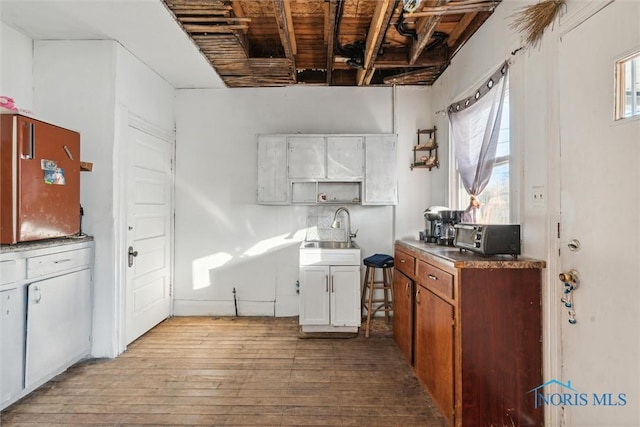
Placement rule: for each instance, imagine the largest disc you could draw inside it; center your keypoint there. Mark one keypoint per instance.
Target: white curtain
(475, 125)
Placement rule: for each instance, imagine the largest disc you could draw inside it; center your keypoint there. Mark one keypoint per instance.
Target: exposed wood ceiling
(257, 43)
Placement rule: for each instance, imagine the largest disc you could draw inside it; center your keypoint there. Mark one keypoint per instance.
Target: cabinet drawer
(8, 272)
(435, 279)
(59, 261)
(405, 263)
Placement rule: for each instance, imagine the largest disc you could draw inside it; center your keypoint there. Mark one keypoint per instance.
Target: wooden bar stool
(369, 303)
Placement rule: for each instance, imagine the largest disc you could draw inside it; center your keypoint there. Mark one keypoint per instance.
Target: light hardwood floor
(235, 372)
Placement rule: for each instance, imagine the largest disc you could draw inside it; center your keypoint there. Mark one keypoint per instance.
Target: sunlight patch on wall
(201, 267)
(276, 242)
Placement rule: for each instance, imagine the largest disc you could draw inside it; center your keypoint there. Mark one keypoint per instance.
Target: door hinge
(558, 230)
(170, 288)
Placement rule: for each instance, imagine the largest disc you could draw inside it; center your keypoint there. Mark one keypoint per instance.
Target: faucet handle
(353, 235)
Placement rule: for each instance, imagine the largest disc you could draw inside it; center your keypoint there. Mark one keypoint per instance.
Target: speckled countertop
(465, 259)
(40, 244)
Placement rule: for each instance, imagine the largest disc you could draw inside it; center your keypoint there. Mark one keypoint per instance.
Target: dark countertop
(465, 259)
(48, 243)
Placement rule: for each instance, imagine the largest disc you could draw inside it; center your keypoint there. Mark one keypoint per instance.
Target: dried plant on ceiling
(533, 20)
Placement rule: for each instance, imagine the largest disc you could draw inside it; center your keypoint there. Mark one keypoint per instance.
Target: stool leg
(372, 278)
(390, 276)
(363, 304)
(386, 286)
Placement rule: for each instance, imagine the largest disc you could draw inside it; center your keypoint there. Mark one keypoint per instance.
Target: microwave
(488, 239)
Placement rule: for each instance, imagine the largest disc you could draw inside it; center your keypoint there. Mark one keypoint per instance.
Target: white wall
(16, 67)
(85, 85)
(224, 240)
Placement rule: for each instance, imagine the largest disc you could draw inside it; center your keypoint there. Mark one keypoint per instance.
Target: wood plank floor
(235, 372)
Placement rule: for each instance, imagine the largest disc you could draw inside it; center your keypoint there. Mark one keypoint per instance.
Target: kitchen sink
(329, 253)
(331, 245)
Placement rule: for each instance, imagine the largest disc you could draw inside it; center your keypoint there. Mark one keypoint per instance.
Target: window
(495, 198)
(628, 87)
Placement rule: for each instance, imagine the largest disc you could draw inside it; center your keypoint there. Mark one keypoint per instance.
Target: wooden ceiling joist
(375, 37)
(212, 19)
(330, 13)
(213, 28)
(285, 28)
(426, 27)
(457, 8)
(411, 77)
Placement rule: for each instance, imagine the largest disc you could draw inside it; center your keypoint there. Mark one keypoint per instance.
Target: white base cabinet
(46, 303)
(12, 323)
(329, 297)
(58, 325)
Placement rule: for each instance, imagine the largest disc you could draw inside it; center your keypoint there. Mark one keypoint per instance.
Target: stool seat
(379, 261)
(369, 303)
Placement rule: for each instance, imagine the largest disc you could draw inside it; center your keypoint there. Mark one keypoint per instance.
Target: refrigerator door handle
(31, 154)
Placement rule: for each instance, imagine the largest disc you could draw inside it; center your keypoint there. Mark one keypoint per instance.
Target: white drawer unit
(12, 319)
(57, 262)
(8, 272)
(45, 312)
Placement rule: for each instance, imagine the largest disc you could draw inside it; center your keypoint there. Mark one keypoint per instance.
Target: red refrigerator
(39, 180)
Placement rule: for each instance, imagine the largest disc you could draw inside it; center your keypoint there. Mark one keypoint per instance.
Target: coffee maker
(448, 220)
(439, 225)
(433, 223)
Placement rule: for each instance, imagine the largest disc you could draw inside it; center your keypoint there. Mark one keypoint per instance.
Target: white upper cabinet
(320, 157)
(345, 157)
(273, 183)
(307, 157)
(293, 168)
(381, 183)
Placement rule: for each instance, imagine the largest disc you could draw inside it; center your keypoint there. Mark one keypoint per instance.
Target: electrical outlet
(539, 196)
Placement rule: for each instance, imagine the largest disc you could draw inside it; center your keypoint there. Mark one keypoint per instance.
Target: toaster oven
(488, 239)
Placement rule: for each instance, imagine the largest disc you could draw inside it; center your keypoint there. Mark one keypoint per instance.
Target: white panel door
(380, 178)
(314, 295)
(307, 157)
(58, 323)
(345, 295)
(600, 221)
(149, 207)
(273, 183)
(345, 157)
(12, 316)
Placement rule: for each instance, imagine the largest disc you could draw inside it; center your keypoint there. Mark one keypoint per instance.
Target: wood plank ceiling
(259, 43)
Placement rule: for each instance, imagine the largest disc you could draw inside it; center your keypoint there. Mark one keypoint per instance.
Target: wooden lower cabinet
(477, 329)
(402, 294)
(434, 351)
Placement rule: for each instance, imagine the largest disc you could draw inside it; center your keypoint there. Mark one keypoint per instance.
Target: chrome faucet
(336, 224)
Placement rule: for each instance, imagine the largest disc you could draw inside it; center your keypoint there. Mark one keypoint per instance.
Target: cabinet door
(273, 185)
(380, 178)
(12, 318)
(314, 295)
(345, 295)
(345, 157)
(403, 314)
(307, 157)
(58, 324)
(433, 360)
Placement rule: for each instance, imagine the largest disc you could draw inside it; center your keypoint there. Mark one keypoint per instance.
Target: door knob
(570, 276)
(132, 254)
